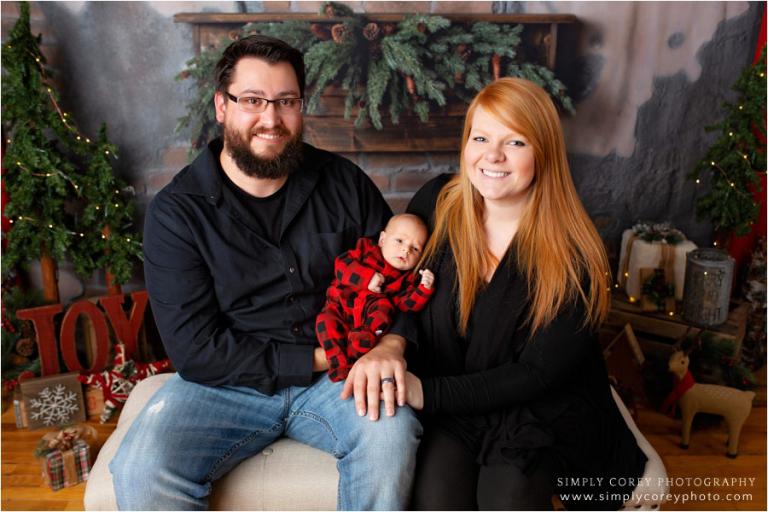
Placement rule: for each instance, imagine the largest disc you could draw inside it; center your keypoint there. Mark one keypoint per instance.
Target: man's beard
(278, 166)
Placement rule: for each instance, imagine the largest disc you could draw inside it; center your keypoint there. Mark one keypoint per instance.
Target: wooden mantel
(327, 127)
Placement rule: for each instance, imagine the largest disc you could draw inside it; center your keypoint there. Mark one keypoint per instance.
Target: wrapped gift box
(65, 456)
(94, 402)
(637, 254)
(67, 468)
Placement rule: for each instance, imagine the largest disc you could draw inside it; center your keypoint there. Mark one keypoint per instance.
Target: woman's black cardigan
(511, 398)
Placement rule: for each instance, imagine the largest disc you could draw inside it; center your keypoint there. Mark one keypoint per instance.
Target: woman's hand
(384, 361)
(415, 393)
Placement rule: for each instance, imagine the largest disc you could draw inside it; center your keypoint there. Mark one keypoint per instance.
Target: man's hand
(319, 362)
(384, 361)
(427, 278)
(376, 281)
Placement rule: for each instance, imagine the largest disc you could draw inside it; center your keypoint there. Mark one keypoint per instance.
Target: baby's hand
(427, 278)
(376, 281)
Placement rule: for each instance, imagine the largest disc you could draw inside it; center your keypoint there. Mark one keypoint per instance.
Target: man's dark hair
(268, 48)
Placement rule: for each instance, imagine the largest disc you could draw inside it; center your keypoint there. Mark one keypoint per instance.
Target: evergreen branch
(436, 54)
(378, 77)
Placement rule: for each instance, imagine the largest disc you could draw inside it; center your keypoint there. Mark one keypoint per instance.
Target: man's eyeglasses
(256, 105)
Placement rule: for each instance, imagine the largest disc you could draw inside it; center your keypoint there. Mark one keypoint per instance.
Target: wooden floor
(22, 487)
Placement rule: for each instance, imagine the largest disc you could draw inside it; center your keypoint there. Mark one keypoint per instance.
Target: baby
(370, 282)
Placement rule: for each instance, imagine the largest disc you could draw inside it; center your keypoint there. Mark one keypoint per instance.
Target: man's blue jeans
(189, 435)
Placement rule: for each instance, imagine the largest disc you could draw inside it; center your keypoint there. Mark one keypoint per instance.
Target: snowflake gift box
(53, 400)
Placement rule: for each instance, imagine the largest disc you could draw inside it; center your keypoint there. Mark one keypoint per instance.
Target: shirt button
(296, 328)
(292, 269)
(267, 451)
(291, 299)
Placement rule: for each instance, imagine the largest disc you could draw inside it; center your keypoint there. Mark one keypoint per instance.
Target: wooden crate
(658, 331)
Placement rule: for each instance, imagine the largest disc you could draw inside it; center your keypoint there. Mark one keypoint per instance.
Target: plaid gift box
(67, 468)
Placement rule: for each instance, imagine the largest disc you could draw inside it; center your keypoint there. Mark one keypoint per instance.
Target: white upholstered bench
(288, 475)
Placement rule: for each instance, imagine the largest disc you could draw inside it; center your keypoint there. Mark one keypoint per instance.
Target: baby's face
(402, 242)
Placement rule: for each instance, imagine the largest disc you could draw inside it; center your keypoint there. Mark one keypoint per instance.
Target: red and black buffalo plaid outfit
(354, 317)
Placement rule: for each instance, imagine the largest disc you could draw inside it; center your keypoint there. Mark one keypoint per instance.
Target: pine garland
(62, 191)
(411, 66)
(733, 162)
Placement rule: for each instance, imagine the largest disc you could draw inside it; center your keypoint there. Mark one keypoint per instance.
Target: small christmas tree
(733, 161)
(38, 171)
(56, 177)
(108, 240)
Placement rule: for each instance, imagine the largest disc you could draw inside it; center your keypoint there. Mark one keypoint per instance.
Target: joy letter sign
(126, 328)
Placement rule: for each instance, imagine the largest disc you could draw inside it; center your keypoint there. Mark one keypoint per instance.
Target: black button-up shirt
(231, 306)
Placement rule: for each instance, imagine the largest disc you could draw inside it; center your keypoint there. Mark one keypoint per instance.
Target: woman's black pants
(448, 477)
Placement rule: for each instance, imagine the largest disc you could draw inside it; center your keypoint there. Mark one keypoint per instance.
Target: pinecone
(389, 28)
(320, 32)
(329, 11)
(371, 31)
(27, 331)
(17, 360)
(496, 66)
(410, 85)
(421, 27)
(463, 52)
(458, 77)
(25, 347)
(339, 32)
(184, 75)
(234, 35)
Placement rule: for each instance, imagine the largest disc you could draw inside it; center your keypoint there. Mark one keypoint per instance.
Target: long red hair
(557, 246)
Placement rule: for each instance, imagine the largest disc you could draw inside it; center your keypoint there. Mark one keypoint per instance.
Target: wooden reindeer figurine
(732, 404)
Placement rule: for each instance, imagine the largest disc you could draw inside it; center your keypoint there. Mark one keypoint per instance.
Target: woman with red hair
(511, 385)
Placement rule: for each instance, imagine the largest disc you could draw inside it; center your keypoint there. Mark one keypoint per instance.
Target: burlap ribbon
(668, 262)
(70, 469)
(65, 438)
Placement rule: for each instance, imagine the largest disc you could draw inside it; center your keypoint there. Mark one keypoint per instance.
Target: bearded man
(238, 252)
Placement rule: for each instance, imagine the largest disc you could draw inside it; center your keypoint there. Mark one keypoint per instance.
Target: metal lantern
(707, 292)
